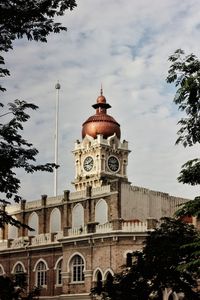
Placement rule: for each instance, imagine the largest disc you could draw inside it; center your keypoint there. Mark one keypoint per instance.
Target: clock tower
(100, 157)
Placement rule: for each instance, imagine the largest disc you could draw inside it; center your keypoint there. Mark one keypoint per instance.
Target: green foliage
(15, 153)
(31, 19)
(10, 289)
(190, 172)
(34, 20)
(191, 208)
(131, 283)
(185, 73)
(165, 253)
(159, 266)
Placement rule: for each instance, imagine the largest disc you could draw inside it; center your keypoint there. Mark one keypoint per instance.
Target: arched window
(101, 212)
(78, 216)
(58, 269)
(18, 269)
(2, 272)
(77, 268)
(33, 223)
(55, 220)
(20, 276)
(108, 277)
(12, 231)
(41, 274)
(129, 259)
(99, 282)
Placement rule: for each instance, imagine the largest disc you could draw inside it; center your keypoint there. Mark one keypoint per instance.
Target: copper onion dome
(101, 123)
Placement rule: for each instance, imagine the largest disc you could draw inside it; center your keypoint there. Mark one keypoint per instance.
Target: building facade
(82, 238)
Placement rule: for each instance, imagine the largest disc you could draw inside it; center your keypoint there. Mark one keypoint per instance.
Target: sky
(123, 45)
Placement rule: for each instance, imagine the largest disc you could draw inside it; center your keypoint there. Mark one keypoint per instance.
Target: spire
(101, 91)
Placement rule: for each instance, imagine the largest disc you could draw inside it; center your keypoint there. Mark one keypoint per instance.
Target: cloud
(124, 45)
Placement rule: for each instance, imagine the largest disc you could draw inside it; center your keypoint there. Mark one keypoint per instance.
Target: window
(1, 271)
(101, 212)
(20, 276)
(12, 231)
(129, 260)
(55, 220)
(109, 277)
(77, 269)
(41, 274)
(19, 269)
(78, 216)
(99, 282)
(58, 272)
(33, 223)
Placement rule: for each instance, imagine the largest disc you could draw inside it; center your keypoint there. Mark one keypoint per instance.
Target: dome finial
(101, 91)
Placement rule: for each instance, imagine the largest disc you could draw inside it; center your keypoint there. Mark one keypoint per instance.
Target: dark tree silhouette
(159, 267)
(184, 72)
(33, 20)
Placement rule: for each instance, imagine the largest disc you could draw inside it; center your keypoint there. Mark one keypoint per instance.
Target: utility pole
(57, 87)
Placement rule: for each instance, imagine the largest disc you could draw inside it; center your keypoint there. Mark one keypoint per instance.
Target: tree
(10, 289)
(31, 19)
(157, 270)
(166, 257)
(35, 21)
(131, 283)
(15, 153)
(184, 72)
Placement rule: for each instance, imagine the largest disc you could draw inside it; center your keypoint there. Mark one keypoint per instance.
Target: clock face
(88, 163)
(113, 163)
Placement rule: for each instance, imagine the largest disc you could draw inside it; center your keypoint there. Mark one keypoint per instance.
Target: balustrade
(48, 238)
(77, 231)
(58, 235)
(44, 238)
(102, 228)
(3, 244)
(134, 226)
(20, 242)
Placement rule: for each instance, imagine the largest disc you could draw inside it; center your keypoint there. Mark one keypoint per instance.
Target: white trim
(44, 286)
(18, 263)
(94, 278)
(113, 138)
(56, 271)
(77, 282)
(57, 262)
(126, 252)
(70, 259)
(38, 261)
(69, 267)
(58, 285)
(3, 271)
(85, 296)
(106, 272)
(36, 272)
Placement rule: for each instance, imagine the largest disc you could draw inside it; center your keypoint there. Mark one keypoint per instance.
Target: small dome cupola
(101, 122)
